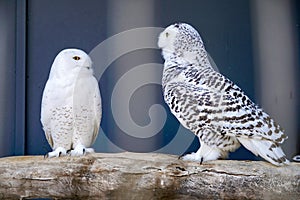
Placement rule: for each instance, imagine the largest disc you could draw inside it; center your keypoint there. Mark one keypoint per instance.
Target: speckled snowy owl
(210, 105)
(71, 105)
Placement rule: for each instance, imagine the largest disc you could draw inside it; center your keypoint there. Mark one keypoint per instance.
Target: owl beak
(87, 63)
(160, 42)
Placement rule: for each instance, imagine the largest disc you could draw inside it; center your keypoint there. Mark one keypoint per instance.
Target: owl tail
(267, 149)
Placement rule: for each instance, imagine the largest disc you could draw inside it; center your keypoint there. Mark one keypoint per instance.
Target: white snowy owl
(71, 104)
(210, 105)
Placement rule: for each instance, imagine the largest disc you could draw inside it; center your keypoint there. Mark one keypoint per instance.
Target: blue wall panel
(7, 77)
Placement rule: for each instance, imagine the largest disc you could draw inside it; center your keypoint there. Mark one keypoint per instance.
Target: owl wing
(87, 108)
(97, 111)
(192, 107)
(56, 113)
(241, 116)
(228, 108)
(46, 114)
(231, 113)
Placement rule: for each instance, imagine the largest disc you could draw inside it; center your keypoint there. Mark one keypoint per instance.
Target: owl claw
(201, 160)
(69, 152)
(181, 156)
(80, 150)
(190, 156)
(58, 152)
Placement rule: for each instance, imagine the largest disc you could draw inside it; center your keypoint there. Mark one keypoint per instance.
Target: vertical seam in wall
(20, 77)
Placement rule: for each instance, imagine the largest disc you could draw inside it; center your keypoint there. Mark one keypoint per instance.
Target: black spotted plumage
(212, 106)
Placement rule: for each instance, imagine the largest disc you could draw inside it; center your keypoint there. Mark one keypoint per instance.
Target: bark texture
(144, 176)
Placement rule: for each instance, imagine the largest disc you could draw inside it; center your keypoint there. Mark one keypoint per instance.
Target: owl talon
(201, 160)
(80, 150)
(58, 152)
(69, 151)
(190, 157)
(181, 156)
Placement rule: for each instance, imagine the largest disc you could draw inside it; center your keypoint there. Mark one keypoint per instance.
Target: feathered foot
(205, 153)
(59, 151)
(81, 150)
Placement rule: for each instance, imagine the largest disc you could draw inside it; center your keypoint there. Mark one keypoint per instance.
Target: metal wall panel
(7, 77)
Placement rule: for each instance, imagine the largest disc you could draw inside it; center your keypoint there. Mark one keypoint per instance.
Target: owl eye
(167, 34)
(76, 58)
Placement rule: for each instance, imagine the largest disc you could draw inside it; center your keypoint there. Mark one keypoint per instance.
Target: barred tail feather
(267, 149)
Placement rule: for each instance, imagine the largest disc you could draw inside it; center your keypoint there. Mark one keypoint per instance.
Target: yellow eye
(76, 58)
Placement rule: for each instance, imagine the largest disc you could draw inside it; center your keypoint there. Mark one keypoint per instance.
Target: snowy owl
(210, 105)
(71, 105)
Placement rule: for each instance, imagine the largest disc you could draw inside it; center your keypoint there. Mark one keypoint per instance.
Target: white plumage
(71, 104)
(210, 105)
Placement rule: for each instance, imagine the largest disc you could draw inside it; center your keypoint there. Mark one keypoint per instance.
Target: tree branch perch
(144, 176)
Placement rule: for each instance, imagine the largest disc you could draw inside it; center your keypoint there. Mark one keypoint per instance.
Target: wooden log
(144, 176)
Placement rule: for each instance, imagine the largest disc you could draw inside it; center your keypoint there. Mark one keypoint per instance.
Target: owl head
(70, 61)
(181, 40)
